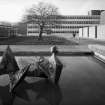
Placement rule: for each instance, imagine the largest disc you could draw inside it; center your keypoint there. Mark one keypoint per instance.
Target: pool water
(82, 82)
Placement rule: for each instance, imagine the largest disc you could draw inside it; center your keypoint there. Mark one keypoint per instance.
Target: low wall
(80, 32)
(92, 32)
(99, 50)
(85, 32)
(101, 32)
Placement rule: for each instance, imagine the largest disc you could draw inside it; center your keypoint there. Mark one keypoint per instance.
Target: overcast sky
(13, 10)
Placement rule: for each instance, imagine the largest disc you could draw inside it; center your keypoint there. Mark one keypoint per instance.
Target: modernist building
(7, 30)
(94, 31)
(95, 12)
(68, 24)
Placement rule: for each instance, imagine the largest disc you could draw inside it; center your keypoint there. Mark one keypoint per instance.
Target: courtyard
(52, 52)
(81, 81)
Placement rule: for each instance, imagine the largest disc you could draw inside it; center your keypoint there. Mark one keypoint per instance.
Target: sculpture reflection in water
(49, 92)
(45, 68)
(29, 93)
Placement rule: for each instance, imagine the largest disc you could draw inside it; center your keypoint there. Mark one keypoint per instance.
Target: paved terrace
(80, 49)
(45, 49)
(95, 45)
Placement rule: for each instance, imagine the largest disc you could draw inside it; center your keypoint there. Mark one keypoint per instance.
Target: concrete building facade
(68, 25)
(95, 31)
(7, 30)
(102, 18)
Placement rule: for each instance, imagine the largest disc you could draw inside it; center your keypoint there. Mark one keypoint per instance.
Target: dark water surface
(82, 82)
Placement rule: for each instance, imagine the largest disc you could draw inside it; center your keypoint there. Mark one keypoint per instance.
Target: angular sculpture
(56, 65)
(8, 63)
(16, 78)
(45, 68)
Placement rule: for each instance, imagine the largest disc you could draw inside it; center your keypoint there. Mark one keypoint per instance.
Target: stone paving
(82, 47)
(44, 48)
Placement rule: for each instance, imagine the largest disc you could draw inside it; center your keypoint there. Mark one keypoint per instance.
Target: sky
(14, 10)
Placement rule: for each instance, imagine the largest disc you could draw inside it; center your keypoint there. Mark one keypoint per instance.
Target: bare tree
(44, 15)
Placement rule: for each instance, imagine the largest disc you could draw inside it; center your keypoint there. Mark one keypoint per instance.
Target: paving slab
(37, 48)
(45, 49)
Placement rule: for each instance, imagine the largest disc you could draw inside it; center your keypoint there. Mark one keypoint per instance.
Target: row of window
(67, 27)
(56, 27)
(70, 22)
(65, 31)
(69, 17)
(33, 32)
(56, 30)
(32, 27)
(29, 32)
(79, 22)
(79, 17)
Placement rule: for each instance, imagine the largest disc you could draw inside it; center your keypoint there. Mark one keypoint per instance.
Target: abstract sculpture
(45, 68)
